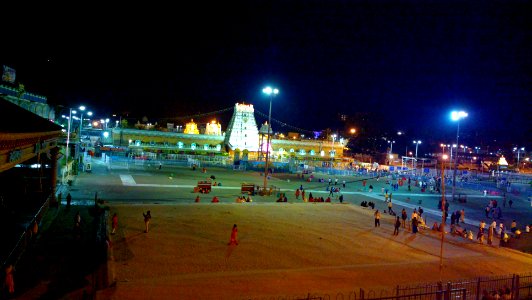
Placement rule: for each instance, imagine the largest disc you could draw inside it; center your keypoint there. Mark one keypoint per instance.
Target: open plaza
(287, 250)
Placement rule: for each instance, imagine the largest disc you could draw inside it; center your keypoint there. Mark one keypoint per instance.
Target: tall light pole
(270, 92)
(82, 109)
(518, 151)
(417, 144)
(457, 116)
(391, 151)
(68, 138)
(444, 157)
(332, 150)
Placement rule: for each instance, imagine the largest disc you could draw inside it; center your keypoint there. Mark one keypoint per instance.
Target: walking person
(462, 216)
(234, 234)
(343, 184)
(504, 200)
(69, 200)
(77, 225)
(404, 216)
(491, 230)
(510, 203)
(377, 215)
(297, 194)
(396, 225)
(114, 223)
(147, 218)
(390, 206)
(9, 280)
(34, 230)
(414, 225)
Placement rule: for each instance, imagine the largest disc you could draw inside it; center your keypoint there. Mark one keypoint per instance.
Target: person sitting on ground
(197, 199)
(285, 199)
(249, 199)
(363, 204)
(328, 199)
(215, 200)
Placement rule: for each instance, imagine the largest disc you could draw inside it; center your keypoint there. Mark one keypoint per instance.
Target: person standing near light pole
(456, 116)
(270, 92)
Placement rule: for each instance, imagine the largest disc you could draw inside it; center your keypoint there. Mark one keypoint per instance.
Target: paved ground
(285, 248)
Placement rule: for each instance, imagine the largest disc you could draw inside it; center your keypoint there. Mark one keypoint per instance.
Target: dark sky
(407, 62)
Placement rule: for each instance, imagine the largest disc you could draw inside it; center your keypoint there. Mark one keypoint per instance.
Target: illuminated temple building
(242, 140)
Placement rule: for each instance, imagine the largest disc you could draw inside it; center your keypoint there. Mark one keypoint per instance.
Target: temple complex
(242, 140)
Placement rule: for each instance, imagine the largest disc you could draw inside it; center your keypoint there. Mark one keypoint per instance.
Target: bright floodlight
(74, 112)
(106, 120)
(276, 91)
(353, 130)
(445, 156)
(89, 113)
(82, 108)
(457, 115)
(102, 121)
(267, 90)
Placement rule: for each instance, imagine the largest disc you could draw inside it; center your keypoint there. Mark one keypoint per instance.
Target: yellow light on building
(213, 128)
(191, 128)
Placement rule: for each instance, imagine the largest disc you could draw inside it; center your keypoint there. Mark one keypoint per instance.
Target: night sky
(406, 63)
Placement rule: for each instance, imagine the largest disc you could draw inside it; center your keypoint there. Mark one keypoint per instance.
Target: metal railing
(514, 287)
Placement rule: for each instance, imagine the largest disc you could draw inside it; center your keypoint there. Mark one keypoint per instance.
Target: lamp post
(444, 157)
(68, 139)
(457, 116)
(391, 151)
(270, 92)
(332, 150)
(518, 151)
(82, 109)
(417, 144)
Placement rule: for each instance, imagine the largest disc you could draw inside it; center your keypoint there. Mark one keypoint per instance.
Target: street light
(332, 150)
(391, 150)
(270, 92)
(456, 116)
(518, 151)
(82, 109)
(417, 144)
(444, 157)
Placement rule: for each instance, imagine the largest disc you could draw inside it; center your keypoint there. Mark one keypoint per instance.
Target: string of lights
(201, 114)
(283, 124)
